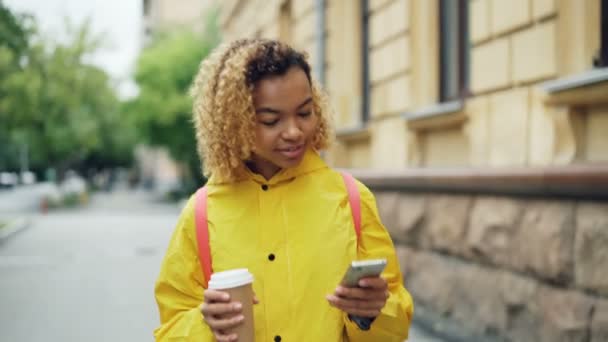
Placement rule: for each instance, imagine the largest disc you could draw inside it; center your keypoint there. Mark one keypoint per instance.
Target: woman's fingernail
(238, 306)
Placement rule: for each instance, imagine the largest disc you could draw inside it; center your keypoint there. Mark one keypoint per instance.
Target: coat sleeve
(394, 321)
(179, 288)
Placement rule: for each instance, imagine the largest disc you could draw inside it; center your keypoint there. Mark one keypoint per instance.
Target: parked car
(8, 180)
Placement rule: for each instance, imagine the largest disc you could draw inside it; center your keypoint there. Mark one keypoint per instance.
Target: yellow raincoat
(295, 233)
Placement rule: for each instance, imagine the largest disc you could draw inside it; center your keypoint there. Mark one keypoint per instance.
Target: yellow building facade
(505, 116)
(482, 128)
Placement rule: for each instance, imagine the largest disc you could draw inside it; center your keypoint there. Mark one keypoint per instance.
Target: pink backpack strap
(354, 199)
(202, 233)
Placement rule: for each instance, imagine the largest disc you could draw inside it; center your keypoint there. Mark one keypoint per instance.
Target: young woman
(275, 208)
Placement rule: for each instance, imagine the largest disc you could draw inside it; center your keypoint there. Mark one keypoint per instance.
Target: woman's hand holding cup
(221, 314)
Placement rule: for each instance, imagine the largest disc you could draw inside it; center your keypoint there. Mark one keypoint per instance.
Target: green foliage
(163, 109)
(52, 101)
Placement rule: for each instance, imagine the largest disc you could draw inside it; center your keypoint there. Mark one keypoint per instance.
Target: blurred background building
(158, 170)
(166, 14)
(482, 126)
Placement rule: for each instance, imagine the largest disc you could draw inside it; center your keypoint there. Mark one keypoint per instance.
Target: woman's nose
(292, 131)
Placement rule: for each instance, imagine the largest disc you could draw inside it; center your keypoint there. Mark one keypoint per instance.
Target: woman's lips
(292, 152)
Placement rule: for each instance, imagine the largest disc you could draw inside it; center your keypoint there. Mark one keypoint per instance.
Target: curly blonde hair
(223, 111)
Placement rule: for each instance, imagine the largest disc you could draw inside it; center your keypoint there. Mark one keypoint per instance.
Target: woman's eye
(304, 114)
(269, 123)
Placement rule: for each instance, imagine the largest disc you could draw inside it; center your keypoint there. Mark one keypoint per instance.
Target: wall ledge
(355, 134)
(437, 116)
(588, 88)
(584, 79)
(584, 181)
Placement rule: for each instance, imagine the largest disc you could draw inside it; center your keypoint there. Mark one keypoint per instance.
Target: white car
(8, 179)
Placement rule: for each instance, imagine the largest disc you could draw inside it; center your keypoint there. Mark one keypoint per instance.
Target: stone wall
(522, 269)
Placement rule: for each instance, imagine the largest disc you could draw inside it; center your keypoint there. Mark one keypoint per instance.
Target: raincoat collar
(311, 162)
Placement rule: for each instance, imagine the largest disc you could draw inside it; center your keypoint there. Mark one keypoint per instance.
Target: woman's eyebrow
(307, 101)
(267, 110)
(276, 111)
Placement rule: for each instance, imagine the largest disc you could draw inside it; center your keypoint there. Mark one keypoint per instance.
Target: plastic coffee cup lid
(229, 279)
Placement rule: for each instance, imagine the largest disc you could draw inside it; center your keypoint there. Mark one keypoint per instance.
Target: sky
(119, 20)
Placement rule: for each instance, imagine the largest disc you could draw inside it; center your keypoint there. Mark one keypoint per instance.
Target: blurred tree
(163, 109)
(52, 102)
(15, 32)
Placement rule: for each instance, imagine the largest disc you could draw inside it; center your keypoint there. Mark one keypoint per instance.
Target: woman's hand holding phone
(366, 300)
(362, 292)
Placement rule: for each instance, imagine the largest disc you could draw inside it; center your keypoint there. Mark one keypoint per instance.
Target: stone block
(543, 8)
(406, 257)
(302, 7)
(596, 144)
(387, 209)
(447, 221)
(304, 28)
(519, 295)
(428, 274)
(389, 59)
(509, 15)
(591, 247)
(376, 4)
(410, 219)
(494, 224)
(534, 53)
(389, 150)
(477, 130)
(479, 20)
(509, 127)
(566, 315)
(359, 155)
(545, 243)
(388, 22)
(445, 147)
(477, 300)
(542, 131)
(599, 323)
(391, 97)
(490, 66)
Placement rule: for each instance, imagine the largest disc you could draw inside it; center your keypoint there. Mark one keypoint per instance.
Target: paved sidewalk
(12, 226)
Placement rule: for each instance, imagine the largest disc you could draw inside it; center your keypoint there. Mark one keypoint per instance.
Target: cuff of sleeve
(364, 323)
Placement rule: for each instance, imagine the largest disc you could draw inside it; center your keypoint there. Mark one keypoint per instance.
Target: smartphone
(362, 269)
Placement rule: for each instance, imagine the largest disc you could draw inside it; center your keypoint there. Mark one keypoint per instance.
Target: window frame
(447, 70)
(365, 67)
(602, 58)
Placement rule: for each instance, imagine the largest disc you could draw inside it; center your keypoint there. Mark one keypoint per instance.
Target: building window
(454, 50)
(602, 58)
(366, 86)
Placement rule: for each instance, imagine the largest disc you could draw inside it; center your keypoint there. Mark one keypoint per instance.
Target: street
(88, 274)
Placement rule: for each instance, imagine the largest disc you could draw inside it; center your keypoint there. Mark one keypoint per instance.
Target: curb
(14, 226)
